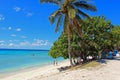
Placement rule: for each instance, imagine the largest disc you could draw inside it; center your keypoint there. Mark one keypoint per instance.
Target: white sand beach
(27, 74)
(106, 71)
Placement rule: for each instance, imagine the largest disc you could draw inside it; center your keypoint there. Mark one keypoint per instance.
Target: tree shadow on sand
(107, 59)
(64, 68)
(101, 61)
(91, 63)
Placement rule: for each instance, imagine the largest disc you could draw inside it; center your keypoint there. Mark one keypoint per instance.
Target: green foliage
(116, 36)
(96, 36)
(59, 48)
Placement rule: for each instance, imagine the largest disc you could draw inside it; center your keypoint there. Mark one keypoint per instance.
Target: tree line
(97, 36)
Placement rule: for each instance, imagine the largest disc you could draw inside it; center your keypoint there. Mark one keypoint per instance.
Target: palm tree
(68, 15)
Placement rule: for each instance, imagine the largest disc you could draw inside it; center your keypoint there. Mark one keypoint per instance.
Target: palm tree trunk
(79, 30)
(69, 46)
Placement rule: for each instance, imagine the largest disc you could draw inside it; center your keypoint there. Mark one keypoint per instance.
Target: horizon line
(24, 49)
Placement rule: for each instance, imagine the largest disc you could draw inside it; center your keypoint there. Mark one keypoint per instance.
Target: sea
(18, 59)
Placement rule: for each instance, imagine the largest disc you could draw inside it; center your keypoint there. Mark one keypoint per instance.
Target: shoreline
(25, 68)
(32, 66)
(51, 72)
(27, 73)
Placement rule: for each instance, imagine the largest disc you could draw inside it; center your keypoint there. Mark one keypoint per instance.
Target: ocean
(17, 59)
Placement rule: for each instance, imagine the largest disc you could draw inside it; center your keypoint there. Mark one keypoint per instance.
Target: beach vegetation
(70, 14)
(116, 36)
(96, 37)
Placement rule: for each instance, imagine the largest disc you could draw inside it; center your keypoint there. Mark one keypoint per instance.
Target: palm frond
(85, 5)
(51, 1)
(83, 14)
(58, 23)
(53, 16)
(79, 20)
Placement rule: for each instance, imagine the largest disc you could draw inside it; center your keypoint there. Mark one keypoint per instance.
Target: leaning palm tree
(69, 15)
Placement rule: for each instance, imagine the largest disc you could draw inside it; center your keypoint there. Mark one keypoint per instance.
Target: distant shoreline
(1, 49)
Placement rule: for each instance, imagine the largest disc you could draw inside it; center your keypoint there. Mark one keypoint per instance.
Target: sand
(27, 74)
(106, 71)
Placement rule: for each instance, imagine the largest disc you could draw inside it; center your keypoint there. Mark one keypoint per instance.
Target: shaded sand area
(104, 70)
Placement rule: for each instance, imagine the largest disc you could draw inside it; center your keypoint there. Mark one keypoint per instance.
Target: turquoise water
(11, 60)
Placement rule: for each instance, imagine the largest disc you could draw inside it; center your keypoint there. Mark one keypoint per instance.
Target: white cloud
(10, 40)
(9, 28)
(13, 40)
(2, 44)
(25, 43)
(18, 29)
(17, 9)
(2, 41)
(23, 37)
(46, 43)
(23, 11)
(35, 43)
(29, 14)
(11, 44)
(2, 17)
(38, 42)
(13, 35)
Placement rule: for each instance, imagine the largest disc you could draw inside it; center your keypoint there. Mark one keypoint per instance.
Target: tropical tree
(96, 37)
(97, 34)
(59, 48)
(68, 15)
(116, 36)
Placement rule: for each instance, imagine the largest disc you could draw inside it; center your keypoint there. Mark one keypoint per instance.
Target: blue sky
(24, 23)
